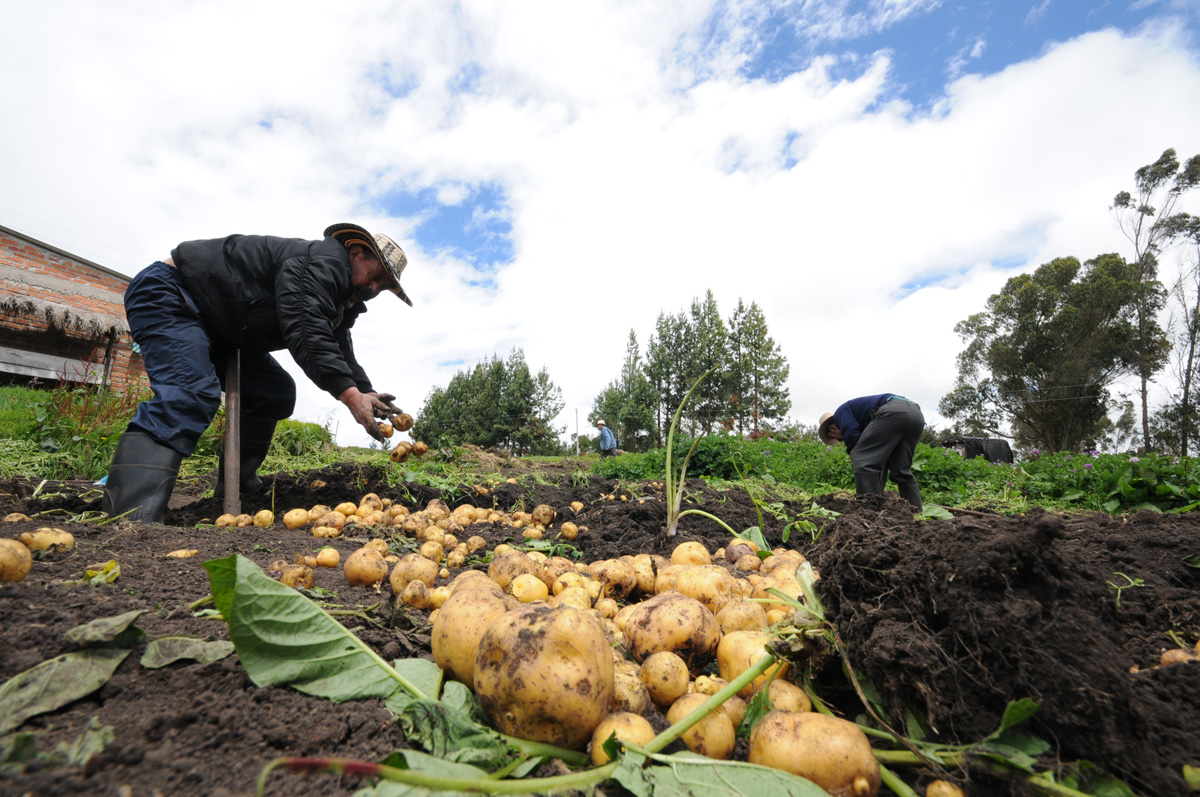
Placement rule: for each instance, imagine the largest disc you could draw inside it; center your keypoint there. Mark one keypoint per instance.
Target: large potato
(675, 623)
(741, 650)
(15, 560)
(831, 752)
(413, 567)
(665, 676)
(742, 615)
(461, 622)
(545, 674)
(616, 577)
(710, 584)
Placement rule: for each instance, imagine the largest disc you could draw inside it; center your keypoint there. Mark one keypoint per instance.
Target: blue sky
(560, 173)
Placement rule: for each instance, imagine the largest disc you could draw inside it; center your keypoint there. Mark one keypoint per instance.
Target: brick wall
(61, 306)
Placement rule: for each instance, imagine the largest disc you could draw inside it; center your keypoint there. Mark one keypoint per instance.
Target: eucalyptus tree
(1150, 220)
(1041, 357)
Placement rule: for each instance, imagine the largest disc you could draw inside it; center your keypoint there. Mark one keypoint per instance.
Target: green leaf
(284, 638)
(15, 752)
(452, 737)
(170, 649)
(107, 630)
(1111, 505)
(1016, 712)
(690, 775)
(1073, 495)
(93, 740)
(56, 682)
(1191, 776)
(760, 705)
(935, 512)
(421, 673)
(754, 534)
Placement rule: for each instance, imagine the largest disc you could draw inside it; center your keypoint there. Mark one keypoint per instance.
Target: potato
(438, 597)
(472, 579)
(386, 430)
(735, 707)
(295, 518)
(742, 615)
(675, 623)
(15, 560)
(736, 549)
(16, 517)
(562, 688)
(570, 578)
(576, 506)
(317, 512)
(364, 568)
(690, 553)
(626, 726)
(297, 576)
(1177, 656)
(543, 514)
(568, 530)
(786, 696)
(665, 676)
(264, 518)
(328, 557)
(225, 520)
(748, 563)
(573, 596)
(403, 422)
(831, 752)
(608, 610)
(710, 584)
(432, 550)
(554, 567)
(48, 539)
(508, 565)
(333, 520)
(377, 544)
(943, 788)
(616, 577)
(664, 580)
(416, 594)
(347, 508)
(528, 588)
(412, 567)
(741, 650)
(419, 448)
(461, 622)
(243, 520)
(714, 736)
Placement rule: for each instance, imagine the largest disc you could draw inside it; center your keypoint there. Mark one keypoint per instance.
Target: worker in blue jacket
(881, 434)
(608, 441)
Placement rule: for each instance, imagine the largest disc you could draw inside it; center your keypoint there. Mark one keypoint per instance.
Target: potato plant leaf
(117, 630)
(93, 740)
(452, 737)
(691, 775)
(56, 682)
(760, 705)
(170, 649)
(417, 761)
(284, 638)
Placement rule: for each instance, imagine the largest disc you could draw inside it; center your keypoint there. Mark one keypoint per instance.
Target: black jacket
(261, 293)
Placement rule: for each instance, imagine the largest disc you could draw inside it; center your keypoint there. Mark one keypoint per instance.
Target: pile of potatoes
(567, 653)
(16, 556)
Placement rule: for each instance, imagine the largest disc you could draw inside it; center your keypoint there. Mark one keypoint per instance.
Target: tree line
(746, 395)
(1040, 361)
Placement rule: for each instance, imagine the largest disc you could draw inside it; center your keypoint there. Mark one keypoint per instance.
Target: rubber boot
(141, 478)
(256, 436)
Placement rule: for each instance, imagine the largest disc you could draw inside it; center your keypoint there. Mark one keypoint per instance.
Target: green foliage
(73, 429)
(1044, 352)
(497, 403)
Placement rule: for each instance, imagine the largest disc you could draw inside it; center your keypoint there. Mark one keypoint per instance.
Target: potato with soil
(412, 567)
(508, 565)
(741, 650)
(672, 622)
(48, 539)
(710, 584)
(15, 560)
(831, 752)
(473, 605)
(364, 568)
(665, 677)
(545, 674)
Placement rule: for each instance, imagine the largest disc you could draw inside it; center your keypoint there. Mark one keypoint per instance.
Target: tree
(1043, 354)
(1151, 224)
(710, 351)
(763, 371)
(668, 354)
(1185, 328)
(496, 403)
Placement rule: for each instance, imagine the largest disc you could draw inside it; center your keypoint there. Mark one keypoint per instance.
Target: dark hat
(385, 249)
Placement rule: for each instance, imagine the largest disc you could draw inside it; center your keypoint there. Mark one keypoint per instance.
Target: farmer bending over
(880, 433)
(259, 294)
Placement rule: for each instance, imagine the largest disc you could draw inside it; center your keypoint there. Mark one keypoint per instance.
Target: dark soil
(951, 619)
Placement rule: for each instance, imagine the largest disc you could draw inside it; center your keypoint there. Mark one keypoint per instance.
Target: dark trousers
(607, 452)
(886, 447)
(187, 368)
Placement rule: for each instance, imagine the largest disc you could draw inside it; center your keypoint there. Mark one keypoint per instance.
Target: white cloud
(639, 168)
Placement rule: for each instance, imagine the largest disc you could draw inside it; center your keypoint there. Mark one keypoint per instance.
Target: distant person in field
(608, 441)
(255, 294)
(881, 434)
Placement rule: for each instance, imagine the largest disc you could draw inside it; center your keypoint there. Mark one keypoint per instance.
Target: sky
(868, 171)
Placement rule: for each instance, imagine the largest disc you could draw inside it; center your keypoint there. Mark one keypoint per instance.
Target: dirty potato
(675, 623)
(831, 752)
(714, 736)
(562, 689)
(474, 604)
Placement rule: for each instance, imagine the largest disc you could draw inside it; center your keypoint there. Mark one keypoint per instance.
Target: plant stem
(898, 787)
(707, 515)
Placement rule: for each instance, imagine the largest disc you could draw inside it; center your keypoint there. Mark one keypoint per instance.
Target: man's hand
(365, 407)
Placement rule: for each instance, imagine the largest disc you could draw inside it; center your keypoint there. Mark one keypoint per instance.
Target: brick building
(62, 318)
